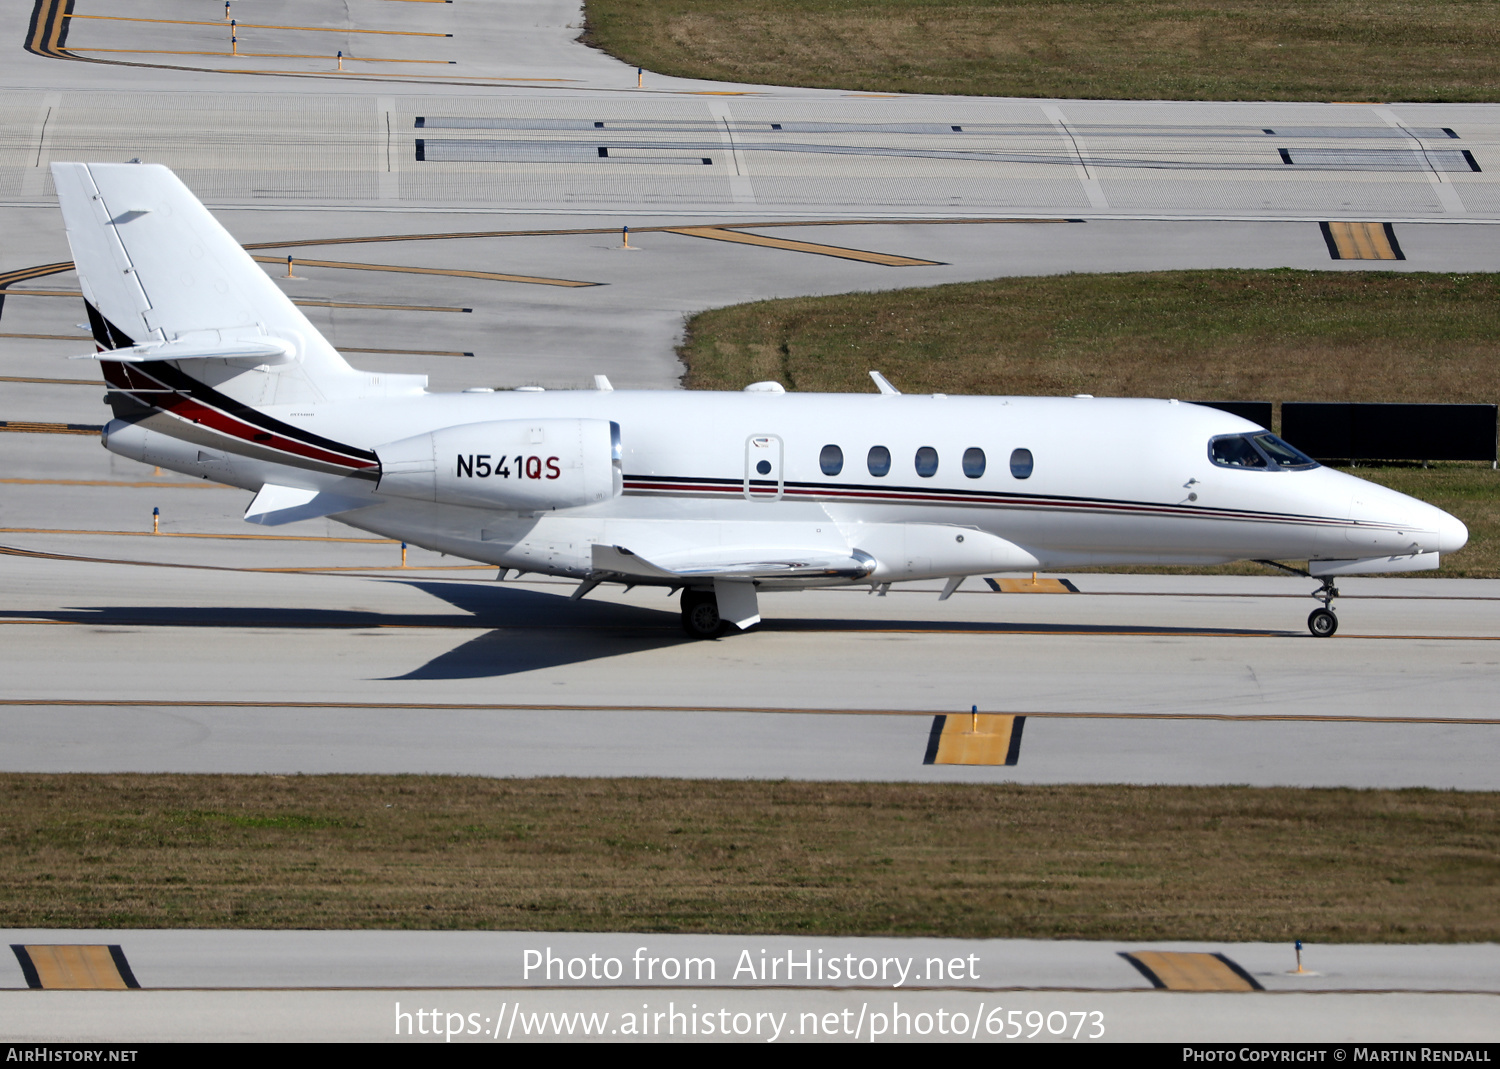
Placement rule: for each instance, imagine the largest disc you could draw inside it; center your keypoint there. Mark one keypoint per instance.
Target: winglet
(884, 383)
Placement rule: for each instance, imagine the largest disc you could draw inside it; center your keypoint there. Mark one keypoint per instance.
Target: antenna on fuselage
(883, 383)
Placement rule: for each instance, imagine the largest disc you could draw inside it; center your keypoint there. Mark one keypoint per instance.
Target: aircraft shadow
(534, 630)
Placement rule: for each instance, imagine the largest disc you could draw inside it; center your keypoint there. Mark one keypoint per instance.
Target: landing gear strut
(700, 614)
(1322, 622)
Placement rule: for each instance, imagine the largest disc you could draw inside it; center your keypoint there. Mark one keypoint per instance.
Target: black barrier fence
(1346, 431)
(1390, 431)
(1254, 411)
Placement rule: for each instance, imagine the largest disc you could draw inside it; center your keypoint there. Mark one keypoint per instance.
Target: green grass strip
(431, 852)
(1340, 50)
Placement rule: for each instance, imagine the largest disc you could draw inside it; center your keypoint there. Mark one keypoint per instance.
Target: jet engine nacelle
(523, 465)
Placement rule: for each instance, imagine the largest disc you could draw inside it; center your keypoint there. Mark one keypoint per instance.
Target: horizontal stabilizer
(275, 505)
(739, 563)
(267, 351)
(1411, 562)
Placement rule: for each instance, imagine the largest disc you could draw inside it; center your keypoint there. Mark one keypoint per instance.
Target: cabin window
(927, 462)
(764, 467)
(1284, 456)
(1021, 463)
(1235, 451)
(879, 460)
(831, 460)
(974, 462)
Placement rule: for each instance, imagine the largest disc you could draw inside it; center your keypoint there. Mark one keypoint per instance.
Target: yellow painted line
(22, 274)
(975, 739)
(247, 703)
(81, 339)
(387, 307)
(1362, 241)
(25, 427)
(113, 482)
(1031, 586)
(258, 26)
(190, 534)
(456, 235)
(1174, 970)
(73, 968)
(47, 24)
(452, 272)
(42, 293)
(256, 55)
(60, 382)
(408, 352)
(741, 237)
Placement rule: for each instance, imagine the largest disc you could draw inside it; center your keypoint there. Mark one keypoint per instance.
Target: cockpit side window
(1284, 456)
(1235, 451)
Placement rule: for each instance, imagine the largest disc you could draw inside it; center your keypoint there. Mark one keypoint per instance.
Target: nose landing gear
(1322, 622)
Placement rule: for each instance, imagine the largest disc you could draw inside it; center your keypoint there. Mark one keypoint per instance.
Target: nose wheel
(1322, 622)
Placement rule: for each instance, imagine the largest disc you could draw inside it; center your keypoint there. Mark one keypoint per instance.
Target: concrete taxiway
(515, 987)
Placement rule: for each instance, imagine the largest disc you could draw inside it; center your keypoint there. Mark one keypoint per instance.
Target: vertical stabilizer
(155, 266)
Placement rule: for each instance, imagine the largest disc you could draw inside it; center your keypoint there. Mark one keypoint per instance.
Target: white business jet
(212, 371)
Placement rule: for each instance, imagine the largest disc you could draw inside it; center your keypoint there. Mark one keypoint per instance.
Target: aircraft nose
(1452, 535)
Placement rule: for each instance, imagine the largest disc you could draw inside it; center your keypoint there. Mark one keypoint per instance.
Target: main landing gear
(1322, 622)
(700, 614)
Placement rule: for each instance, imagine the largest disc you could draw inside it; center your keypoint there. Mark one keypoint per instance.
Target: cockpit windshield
(1235, 451)
(1262, 451)
(1283, 455)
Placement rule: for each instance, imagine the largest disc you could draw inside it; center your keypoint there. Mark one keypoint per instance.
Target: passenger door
(763, 459)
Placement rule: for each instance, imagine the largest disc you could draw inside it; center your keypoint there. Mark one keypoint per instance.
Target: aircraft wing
(737, 562)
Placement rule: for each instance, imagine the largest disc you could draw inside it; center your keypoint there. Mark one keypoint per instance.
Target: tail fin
(158, 269)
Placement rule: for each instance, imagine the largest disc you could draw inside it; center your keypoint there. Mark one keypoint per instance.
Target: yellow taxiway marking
(408, 352)
(26, 427)
(75, 968)
(975, 739)
(535, 707)
(1031, 586)
(55, 382)
(194, 534)
(1363, 241)
(491, 276)
(255, 55)
(1175, 970)
(386, 307)
(114, 482)
(256, 26)
(79, 338)
(42, 293)
(741, 237)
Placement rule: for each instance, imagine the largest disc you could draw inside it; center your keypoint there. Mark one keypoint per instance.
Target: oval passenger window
(831, 460)
(879, 460)
(1021, 463)
(974, 462)
(927, 462)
